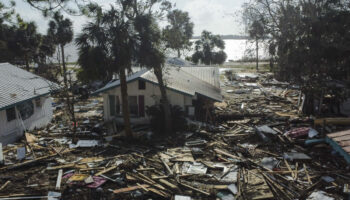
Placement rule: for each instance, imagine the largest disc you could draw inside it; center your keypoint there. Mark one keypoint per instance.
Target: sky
(217, 16)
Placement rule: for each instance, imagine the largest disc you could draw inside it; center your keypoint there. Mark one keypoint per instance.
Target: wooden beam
(195, 189)
(167, 183)
(3, 186)
(167, 166)
(307, 174)
(219, 151)
(290, 169)
(128, 189)
(106, 170)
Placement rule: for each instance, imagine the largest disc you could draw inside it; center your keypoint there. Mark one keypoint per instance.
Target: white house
(194, 89)
(25, 103)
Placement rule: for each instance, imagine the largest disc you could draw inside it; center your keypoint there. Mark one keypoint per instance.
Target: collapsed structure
(25, 102)
(260, 147)
(194, 89)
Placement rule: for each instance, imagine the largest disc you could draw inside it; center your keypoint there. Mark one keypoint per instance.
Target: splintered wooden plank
(342, 138)
(339, 134)
(3, 186)
(105, 171)
(344, 143)
(195, 189)
(335, 121)
(347, 149)
(256, 186)
(167, 183)
(128, 189)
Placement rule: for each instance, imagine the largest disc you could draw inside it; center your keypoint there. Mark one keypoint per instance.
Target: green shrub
(156, 113)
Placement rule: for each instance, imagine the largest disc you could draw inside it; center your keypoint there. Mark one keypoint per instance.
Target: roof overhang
(20, 102)
(154, 83)
(143, 79)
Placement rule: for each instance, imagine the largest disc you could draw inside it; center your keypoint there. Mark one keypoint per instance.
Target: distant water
(235, 50)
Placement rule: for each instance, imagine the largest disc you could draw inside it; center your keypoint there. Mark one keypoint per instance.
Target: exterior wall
(152, 96)
(11, 131)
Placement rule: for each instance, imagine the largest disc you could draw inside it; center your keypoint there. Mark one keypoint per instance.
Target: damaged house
(194, 89)
(25, 102)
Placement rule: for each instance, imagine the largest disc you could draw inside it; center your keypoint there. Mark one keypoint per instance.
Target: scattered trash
(266, 129)
(53, 195)
(319, 195)
(21, 153)
(197, 168)
(328, 179)
(298, 132)
(232, 188)
(243, 152)
(295, 156)
(180, 197)
(312, 133)
(269, 162)
(87, 143)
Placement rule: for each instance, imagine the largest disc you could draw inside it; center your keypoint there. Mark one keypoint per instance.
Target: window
(11, 114)
(142, 85)
(112, 105)
(142, 106)
(133, 108)
(117, 105)
(38, 103)
(26, 109)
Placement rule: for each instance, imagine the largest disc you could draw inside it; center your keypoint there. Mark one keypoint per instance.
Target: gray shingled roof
(176, 79)
(18, 85)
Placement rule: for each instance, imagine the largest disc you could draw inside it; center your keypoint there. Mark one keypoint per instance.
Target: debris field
(258, 147)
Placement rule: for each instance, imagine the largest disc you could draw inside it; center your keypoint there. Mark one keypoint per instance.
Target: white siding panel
(11, 131)
(149, 93)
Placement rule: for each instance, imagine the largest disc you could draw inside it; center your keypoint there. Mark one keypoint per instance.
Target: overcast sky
(217, 16)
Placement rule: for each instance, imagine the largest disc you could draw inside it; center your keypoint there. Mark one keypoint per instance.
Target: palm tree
(151, 55)
(61, 31)
(125, 35)
(110, 34)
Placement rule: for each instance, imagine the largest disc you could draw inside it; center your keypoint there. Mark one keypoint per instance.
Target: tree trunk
(69, 101)
(125, 104)
(257, 54)
(164, 100)
(178, 53)
(271, 65)
(64, 67)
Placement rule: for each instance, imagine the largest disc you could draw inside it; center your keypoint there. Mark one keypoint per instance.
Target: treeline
(21, 44)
